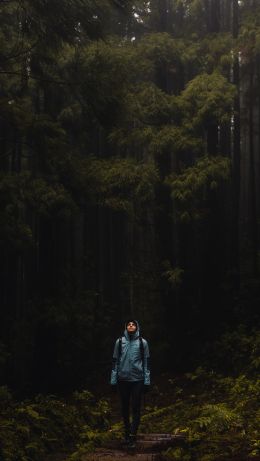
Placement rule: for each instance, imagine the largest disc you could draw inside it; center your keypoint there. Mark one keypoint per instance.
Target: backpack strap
(119, 347)
(142, 350)
(117, 360)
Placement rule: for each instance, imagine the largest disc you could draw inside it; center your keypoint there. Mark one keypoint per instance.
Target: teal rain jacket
(129, 366)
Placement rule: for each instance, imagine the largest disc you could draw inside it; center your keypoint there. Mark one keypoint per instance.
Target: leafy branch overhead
(208, 98)
(121, 184)
(173, 275)
(190, 188)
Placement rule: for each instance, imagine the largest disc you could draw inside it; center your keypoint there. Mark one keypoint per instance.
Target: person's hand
(114, 388)
(146, 388)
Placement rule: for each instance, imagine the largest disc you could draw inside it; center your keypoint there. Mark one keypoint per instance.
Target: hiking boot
(127, 438)
(132, 441)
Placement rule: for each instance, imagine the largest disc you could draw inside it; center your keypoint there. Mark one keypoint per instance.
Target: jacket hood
(135, 335)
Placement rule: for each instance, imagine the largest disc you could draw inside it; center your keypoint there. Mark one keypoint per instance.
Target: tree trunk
(236, 156)
(252, 179)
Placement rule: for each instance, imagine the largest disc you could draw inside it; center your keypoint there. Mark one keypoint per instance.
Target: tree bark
(252, 179)
(236, 155)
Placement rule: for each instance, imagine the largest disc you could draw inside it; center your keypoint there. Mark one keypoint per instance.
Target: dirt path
(148, 448)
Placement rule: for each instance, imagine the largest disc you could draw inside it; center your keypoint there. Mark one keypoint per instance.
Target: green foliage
(218, 413)
(122, 184)
(32, 429)
(52, 23)
(176, 140)
(20, 192)
(216, 418)
(162, 48)
(177, 454)
(49, 199)
(212, 417)
(191, 188)
(216, 53)
(173, 275)
(208, 99)
(103, 96)
(237, 350)
(249, 36)
(150, 105)
(100, 412)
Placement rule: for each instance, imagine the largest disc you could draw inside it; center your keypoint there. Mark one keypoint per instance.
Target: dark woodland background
(129, 184)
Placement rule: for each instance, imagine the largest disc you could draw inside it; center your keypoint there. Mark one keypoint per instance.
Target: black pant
(128, 389)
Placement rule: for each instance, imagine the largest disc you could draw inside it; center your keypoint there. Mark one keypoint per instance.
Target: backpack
(141, 349)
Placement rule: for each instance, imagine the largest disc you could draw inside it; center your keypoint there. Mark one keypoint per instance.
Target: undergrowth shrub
(219, 414)
(31, 429)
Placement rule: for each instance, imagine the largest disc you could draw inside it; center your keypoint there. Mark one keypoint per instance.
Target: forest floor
(200, 417)
(148, 447)
(145, 450)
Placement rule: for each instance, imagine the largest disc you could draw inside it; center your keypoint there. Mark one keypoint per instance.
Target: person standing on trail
(131, 375)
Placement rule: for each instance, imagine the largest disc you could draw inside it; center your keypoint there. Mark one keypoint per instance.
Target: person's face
(131, 328)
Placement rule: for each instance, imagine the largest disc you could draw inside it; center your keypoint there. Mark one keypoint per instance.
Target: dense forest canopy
(129, 181)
